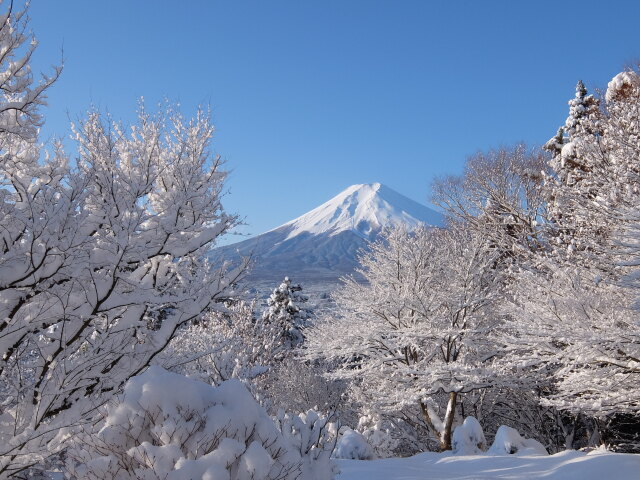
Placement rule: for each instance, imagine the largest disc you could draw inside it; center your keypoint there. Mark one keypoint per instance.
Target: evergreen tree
(576, 159)
(286, 317)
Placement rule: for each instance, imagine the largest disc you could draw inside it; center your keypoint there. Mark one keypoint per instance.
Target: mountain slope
(323, 243)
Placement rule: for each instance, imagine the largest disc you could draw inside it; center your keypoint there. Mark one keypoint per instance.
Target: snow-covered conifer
(577, 160)
(286, 316)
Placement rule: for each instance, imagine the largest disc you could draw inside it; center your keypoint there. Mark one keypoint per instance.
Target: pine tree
(576, 160)
(285, 317)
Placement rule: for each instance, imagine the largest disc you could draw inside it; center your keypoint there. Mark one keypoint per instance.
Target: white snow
(508, 441)
(468, 438)
(568, 465)
(619, 82)
(170, 426)
(363, 209)
(352, 445)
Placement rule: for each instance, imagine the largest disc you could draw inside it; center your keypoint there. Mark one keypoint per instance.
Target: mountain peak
(323, 244)
(374, 187)
(362, 209)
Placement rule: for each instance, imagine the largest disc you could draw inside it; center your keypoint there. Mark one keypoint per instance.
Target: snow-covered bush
(377, 435)
(313, 437)
(468, 438)
(353, 446)
(168, 426)
(508, 441)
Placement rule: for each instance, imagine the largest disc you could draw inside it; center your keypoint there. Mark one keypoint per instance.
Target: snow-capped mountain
(323, 243)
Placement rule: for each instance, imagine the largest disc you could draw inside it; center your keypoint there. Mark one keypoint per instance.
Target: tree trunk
(444, 435)
(445, 438)
(427, 418)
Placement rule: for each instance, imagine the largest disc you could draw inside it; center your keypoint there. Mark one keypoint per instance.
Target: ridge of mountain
(322, 244)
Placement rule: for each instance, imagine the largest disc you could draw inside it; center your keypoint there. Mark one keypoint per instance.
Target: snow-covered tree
(101, 259)
(222, 344)
(419, 326)
(500, 196)
(92, 257)
(581, 331)
(286, 316)
(593, 186)
(20, 97)
(618, 184)
(577, 159)
(575, 302)
(296, 385)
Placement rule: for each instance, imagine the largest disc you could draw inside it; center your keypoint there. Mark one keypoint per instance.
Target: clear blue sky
(310, 97)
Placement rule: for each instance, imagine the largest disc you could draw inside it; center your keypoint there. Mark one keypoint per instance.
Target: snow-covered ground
(569, 465)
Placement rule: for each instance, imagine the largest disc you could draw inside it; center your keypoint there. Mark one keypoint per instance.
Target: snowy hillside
(323, 243)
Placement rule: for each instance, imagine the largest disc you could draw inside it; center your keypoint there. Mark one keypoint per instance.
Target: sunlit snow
(363, 209)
